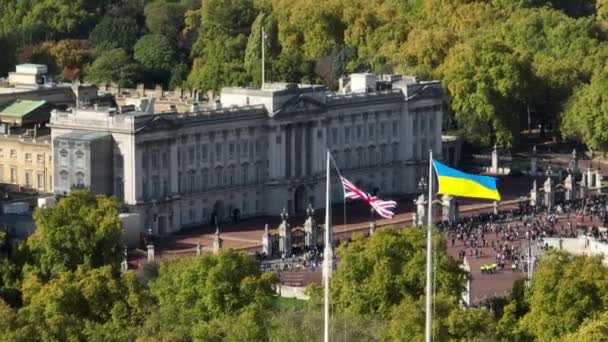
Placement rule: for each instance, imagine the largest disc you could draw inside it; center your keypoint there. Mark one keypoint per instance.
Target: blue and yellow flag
(458, 183)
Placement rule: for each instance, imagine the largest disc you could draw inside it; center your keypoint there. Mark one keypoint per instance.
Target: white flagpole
(429, 255)
(263, 59)
(327, 254)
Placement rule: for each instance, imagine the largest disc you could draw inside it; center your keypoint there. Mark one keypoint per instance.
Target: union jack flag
(383, 208)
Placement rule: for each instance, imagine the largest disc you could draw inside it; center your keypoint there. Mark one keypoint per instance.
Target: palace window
(79, 158)
(204, 152)
(28, 178)
(205, 179)
(40, 179)
(334, 135)
(245, 173)
(218, 151)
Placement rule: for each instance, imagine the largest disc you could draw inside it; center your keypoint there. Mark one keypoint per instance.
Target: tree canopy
(113, 66)
(83, 229)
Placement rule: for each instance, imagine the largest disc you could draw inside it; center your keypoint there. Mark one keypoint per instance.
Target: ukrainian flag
(458, 183)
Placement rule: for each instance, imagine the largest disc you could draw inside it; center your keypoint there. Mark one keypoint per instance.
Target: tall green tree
(488, 85)
(585, 116)
(156, 55)
(165, 18)
(219, 51)
(196, 295)
(376, 273)
(565, 291)
(113, 66)
(83, 229)
(115, 32)
(88, 304)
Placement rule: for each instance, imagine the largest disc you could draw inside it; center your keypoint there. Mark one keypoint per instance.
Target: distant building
(32, 82)
(26, 100)
(25, 149)
(258, 150)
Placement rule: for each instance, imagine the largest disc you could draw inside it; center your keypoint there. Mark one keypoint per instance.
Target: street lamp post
(310, 211)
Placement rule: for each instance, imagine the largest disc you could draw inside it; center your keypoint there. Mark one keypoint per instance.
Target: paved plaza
(247, 235)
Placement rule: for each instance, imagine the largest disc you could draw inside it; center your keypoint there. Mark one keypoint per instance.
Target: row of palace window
(196, 181)
(64, 158)
(204, 153)
(28, 180)
(28, 156)
(64, 182)
(192, 215)
(366, 156)
(424, 124)
(364, 132)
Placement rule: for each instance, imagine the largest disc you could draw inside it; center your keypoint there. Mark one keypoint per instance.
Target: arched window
(63, 157)
(383, 154)
(79, 180)
(218, 176)
(205, 179)
(395, 152)
(63, 176)
(359, 156)
(347, 162)
(191, 181)
(231, 175)
(245, 173)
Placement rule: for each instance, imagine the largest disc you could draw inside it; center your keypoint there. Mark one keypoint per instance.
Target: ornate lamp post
(310, 211)
(420, 203)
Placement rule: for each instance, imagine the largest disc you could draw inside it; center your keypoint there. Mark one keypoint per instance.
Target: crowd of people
(507, 235)
(511, 233)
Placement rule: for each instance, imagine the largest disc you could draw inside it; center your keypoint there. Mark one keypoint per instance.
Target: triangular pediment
(301, 104)
(430, 91)
(158, 123)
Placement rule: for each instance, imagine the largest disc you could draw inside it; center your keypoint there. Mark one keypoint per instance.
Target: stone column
(598, 180)
(583, 188)
(495, 207)
(372, 221)
(549, 194)
(533, 162)
(495, 159)
(124, 265)
(421, 210)
(570, 186)
(310, 228)
(448, 208)
(217, 242)
(150, 253)
(534, 194)
(266, 241)
(285, 235)
(574, 162)
(590, 178)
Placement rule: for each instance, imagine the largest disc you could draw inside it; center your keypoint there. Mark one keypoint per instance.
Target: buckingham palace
(252, 152)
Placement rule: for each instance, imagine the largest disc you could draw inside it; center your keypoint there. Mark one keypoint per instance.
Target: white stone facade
(262, 150)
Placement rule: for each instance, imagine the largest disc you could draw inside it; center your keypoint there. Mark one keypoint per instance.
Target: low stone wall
(292, 292)
(582, 245)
